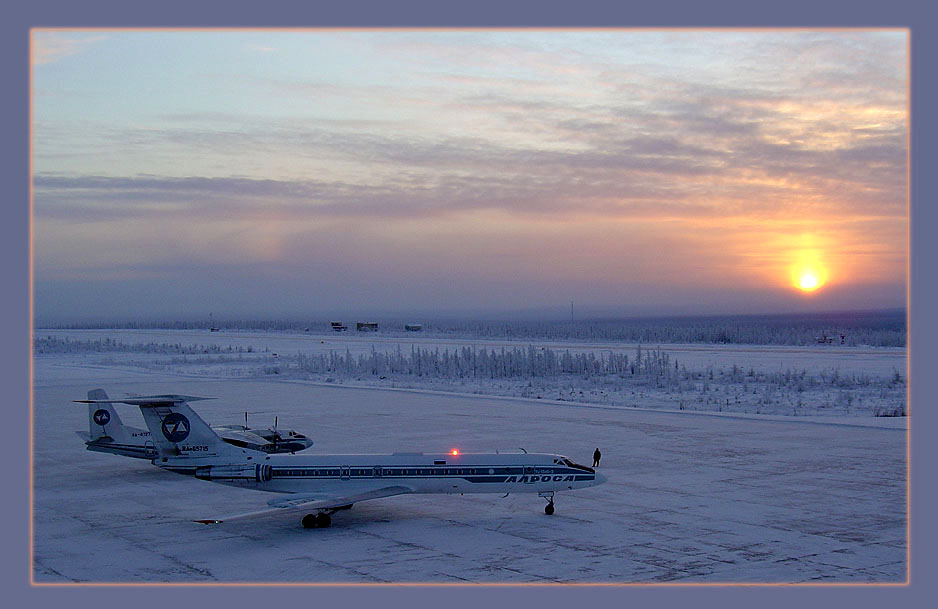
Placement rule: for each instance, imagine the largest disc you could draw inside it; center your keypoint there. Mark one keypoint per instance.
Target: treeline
(652, 367)
(877, 329)
(471, 362)
(872, 328)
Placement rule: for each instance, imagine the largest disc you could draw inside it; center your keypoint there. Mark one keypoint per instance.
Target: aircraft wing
(238, 434)
(148, 400)
(313, 502)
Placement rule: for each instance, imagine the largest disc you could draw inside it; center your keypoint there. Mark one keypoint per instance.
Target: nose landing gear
(549, 495)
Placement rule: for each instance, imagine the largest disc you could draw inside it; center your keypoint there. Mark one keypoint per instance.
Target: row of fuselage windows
(370, 472)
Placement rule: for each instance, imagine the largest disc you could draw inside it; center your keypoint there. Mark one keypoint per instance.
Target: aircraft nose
(600, 478)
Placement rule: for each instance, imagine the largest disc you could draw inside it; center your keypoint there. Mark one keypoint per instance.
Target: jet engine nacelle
(248, 472)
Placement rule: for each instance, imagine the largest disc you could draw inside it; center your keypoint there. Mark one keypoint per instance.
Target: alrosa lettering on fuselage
(544, 478)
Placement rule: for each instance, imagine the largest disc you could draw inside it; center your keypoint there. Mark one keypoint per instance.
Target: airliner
(108, 434)
(318, 486)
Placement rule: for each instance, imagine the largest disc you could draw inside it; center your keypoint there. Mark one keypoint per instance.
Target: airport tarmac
(690, 498)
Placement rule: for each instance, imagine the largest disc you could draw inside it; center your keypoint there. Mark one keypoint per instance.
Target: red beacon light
(454, 452)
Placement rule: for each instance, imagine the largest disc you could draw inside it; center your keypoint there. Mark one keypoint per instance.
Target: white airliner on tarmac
(108, 434)
(320, 485)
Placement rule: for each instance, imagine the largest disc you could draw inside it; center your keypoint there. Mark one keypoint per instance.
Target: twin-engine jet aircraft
(320, 485)
(108, 434)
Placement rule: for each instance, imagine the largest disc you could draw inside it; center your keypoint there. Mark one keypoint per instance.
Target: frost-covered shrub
(887, 411)
(50, 344)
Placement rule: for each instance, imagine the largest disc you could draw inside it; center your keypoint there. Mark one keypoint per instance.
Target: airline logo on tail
(101, 417)
(175, 427)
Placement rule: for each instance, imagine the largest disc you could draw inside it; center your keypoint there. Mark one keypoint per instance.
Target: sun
(810, 266)
(809, 277)
(808, 281)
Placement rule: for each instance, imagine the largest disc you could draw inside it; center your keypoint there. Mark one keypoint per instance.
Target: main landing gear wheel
(316, 521)
(549, 508)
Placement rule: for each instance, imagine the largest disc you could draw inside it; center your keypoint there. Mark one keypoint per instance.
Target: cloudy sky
(477, 173)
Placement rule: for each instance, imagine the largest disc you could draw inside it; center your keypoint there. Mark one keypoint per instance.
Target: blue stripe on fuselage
(501, 474)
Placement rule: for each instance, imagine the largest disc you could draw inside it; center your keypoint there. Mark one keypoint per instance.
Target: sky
(474, 173)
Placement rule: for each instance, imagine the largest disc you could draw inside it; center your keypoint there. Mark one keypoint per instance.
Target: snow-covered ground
(819, 380)
(691, 497)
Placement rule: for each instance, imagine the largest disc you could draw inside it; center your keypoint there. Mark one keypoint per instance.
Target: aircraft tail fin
(108, 434)
(178, 432)
(103, 420)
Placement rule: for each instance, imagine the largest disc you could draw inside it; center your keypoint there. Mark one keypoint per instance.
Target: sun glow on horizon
(808, 274)
(809, 270)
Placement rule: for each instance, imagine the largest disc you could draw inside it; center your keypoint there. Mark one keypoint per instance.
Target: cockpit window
(570, 463)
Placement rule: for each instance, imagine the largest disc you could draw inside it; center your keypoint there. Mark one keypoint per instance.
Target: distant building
(828, 338)
(366, 326)
(338, 326)
(413, 327)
